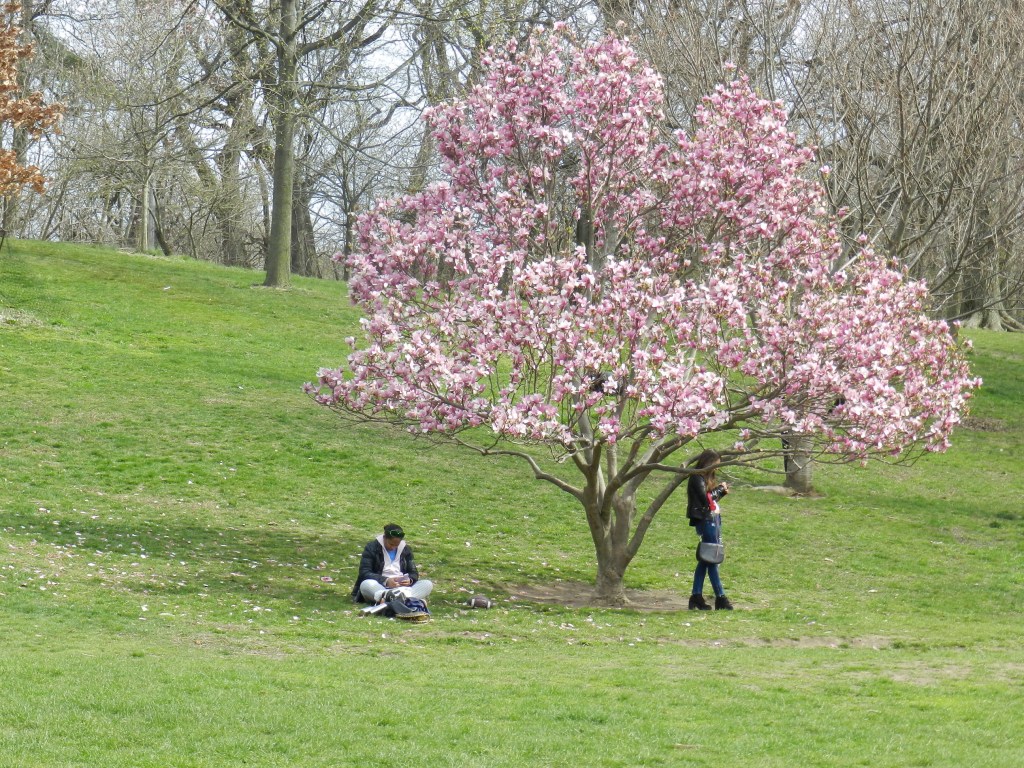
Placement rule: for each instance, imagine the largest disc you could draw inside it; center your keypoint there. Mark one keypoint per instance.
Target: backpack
(407, 608)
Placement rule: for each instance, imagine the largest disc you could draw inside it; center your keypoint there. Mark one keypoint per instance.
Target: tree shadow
(176, 558)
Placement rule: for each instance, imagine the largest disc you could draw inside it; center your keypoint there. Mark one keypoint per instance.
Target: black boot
(697, 603)
(722, 603)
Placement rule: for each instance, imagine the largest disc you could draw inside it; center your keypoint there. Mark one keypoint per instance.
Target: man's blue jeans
(709, 530)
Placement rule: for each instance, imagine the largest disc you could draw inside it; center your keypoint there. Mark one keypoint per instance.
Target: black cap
(394, 531)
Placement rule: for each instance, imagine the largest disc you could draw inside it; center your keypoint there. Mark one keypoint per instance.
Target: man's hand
(397, 581)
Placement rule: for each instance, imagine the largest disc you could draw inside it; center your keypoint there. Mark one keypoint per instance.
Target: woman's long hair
(706, 464)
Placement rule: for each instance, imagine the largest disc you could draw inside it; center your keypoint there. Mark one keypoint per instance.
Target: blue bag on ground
(409, 608)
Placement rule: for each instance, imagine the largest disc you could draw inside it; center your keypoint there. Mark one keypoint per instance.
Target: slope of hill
(181, 527)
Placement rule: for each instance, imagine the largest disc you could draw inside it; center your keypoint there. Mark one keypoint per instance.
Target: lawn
(181, 527)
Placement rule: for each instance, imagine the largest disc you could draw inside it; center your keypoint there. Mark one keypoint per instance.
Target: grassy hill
(181, 528)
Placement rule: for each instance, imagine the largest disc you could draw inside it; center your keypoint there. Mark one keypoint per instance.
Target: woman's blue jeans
(709, 530)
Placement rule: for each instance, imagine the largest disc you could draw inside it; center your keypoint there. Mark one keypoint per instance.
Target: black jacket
(698, 506)
(371, 565)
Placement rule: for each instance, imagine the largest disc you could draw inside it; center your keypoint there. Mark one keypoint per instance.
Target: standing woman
(702, 495)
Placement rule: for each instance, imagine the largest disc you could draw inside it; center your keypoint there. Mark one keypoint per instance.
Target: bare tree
(130, 89)
(296, 32)
(227, 139)
(917, 108)
(914, 104)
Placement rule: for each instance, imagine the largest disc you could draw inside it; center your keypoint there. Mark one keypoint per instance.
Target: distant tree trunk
(304, 260)
(285, 118)
(279, 245)
(421, 165)
(227, 211)
(144, 216)
(158, 232)
(992, 289)
(988, 303)
(262, 176)
(132, 238)
(798, 463)
(985, 291)
(229, 205)
(347, 246)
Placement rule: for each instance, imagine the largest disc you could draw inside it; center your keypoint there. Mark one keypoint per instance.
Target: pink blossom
(580, 277)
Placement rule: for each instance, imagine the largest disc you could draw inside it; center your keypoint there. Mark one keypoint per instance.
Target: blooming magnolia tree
(584, 280)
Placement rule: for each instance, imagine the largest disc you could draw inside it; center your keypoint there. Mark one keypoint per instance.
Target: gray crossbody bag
(712, 552)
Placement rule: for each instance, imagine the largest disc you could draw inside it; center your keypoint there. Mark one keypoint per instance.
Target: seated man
(387, 564)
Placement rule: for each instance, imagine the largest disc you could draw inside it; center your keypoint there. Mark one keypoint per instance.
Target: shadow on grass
(178, 559)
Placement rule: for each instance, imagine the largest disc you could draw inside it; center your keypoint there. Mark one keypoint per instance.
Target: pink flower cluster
(583, 277)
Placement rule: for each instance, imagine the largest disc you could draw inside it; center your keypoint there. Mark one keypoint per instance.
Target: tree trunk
(227, 211)
(279, 246)
(285, 105)
(993, 294)
(348, 245)
(127, 228)
(985, 297)
(611, 589)
(799, 464)
(229, 207)
(611, 544)
(158, 230)
(304, 261)
(144, 216)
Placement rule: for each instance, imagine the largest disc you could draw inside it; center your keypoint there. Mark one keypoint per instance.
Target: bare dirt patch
(18, 318)
(980, 424)
(574, 594)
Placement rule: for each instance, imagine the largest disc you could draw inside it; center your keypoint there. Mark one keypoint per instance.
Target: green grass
(181, 527)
